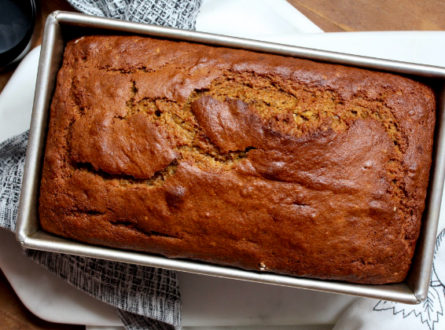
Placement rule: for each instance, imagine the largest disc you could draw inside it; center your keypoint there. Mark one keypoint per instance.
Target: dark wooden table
(331, 16)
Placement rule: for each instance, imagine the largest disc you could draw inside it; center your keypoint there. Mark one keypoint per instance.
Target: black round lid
(17, 19)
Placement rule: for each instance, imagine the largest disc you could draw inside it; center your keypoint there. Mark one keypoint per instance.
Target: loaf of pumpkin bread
(257, 161)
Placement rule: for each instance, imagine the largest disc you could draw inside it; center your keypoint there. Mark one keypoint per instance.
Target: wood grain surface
(374, 15)
(329, 15)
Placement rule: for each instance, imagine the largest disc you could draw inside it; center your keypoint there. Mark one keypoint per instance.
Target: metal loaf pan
(62, 26)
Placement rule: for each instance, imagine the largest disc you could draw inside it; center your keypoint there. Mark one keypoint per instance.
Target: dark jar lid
(17, 20)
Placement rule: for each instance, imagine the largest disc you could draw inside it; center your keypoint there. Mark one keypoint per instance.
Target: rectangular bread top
(263, 162)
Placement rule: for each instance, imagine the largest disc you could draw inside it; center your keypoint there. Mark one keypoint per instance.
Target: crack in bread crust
(292, 110)
(296, 112)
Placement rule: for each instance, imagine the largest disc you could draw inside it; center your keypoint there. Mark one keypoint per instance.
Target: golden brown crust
(251, 160)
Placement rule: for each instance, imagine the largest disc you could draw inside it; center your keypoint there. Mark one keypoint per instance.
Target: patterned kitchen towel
(145, 297)
(179, 14)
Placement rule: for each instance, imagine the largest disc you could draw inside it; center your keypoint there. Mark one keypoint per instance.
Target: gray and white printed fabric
(179, 14)
(145, 297)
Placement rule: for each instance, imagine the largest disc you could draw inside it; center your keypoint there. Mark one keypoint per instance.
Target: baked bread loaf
(263, 162)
